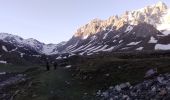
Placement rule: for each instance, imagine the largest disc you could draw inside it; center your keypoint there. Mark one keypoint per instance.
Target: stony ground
(155, 88)
(9, 81)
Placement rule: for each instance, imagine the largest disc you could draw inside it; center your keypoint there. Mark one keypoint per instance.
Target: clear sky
(53, 21)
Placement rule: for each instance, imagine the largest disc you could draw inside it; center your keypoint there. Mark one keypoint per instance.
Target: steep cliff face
(151, 15)
(142, 29)
(96, 26)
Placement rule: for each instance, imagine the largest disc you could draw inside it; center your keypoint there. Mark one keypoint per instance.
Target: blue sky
(53, 21)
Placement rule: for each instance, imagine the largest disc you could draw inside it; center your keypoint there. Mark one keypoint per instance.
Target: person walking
(47, 66)
(55, 65)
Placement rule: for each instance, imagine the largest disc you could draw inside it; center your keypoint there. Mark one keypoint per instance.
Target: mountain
(139, 30)
(145, 29)
(30, 43)
(16, 50)
(10, 53)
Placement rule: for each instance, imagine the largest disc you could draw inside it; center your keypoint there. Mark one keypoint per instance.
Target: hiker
(55, 65)
(47, 66)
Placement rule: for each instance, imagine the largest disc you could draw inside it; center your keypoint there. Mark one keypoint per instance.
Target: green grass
(51, 85)
(13, 68)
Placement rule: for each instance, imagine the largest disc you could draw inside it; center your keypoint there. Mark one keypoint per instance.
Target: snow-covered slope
(33, 44)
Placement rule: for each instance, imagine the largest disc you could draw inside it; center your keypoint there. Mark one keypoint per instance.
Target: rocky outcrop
(95, 26)
(7, 81)
(150, 14)
(157, 88)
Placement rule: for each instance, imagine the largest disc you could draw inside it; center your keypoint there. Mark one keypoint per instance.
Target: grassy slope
(15, 68)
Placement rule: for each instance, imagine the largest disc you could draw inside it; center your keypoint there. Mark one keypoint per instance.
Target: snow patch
(93, 38)
(22, 55)
(59, 58)
(65, 57)
(68, 66)
(3, 62)
(72, 46)
(94, 49)
(81, 53)
(72, 54)
(13, 49)
(129, 28)
(36, 55)
(86, 47)
(101, 49)
(109, 49)
(91, 48)
(162, 47)
(125, 48)
(4, 48)
(120, 41)
(140, 48)
(133, 43)
(106, 34)
(117, 36)
(90, 54)
(49, 49)
(85, 37)
(2, 73)
(114, 40)
(152, 40)
(78, 49)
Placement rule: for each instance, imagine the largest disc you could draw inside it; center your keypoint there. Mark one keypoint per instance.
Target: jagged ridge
(143, 29)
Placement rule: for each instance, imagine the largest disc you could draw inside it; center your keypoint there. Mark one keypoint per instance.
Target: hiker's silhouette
(47, 66)
(55, 65)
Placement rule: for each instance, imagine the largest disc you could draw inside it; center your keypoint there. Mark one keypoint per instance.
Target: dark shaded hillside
(113, 68)
(19, 55)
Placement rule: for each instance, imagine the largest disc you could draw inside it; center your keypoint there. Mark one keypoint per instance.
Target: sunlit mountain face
(138, 30)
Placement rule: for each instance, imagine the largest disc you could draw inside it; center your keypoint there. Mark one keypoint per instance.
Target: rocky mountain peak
(89, 28)
(95, 26)
(150, 14)
(161, 5)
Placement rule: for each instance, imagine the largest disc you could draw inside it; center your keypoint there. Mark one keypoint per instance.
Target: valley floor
(83, 80)
(46, 85)
(54, 85)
